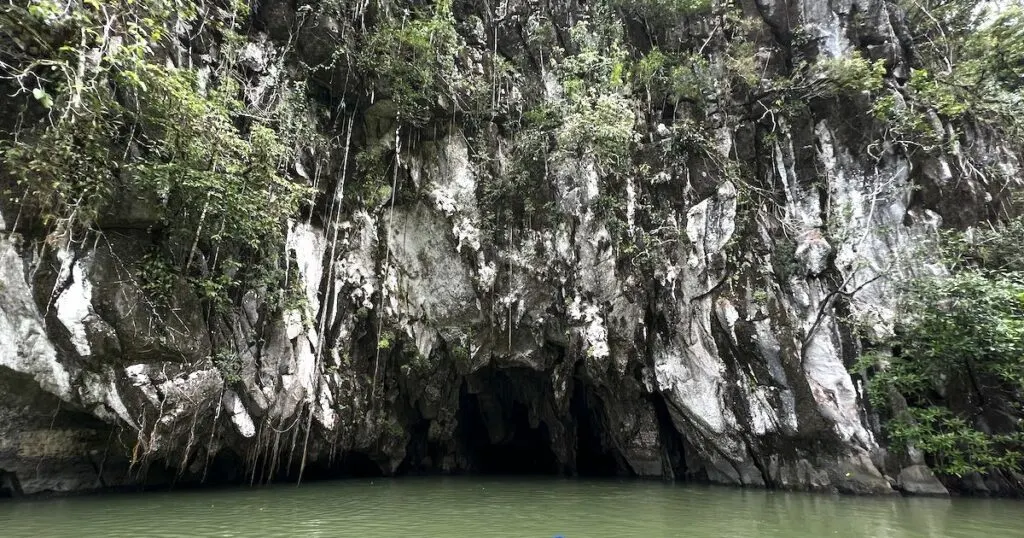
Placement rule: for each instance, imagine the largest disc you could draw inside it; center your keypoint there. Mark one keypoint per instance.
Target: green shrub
(969, 56)
(124, 124)
(412, 62)
(597, 117)
(386, 340)
(854, 74)
(664, 10)
(157, 278)
(961, 334)
(956, 447)
(229, 364)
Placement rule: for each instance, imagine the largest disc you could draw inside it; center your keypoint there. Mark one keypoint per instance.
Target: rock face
(919, 480)
(714, 345)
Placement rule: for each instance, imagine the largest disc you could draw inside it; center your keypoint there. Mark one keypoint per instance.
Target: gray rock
(919, 480)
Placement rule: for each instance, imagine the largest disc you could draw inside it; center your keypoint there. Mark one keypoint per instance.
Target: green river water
(504, 507)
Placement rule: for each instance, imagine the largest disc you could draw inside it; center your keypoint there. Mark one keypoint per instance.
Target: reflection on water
(506, 507)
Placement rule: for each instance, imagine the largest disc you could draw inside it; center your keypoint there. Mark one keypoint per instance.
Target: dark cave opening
(9, 486)
(225, 468)
(593, 457)
(502, 428)
(345, 465)
(511, 445)
(498, 435)
(674, 445)
(422, 456)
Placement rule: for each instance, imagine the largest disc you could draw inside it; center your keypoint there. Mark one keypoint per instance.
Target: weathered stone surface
(919, 480)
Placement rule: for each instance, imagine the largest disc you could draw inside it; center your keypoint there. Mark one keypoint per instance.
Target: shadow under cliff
(507, 422)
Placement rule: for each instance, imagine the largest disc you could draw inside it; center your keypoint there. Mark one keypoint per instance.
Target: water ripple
(474, 507)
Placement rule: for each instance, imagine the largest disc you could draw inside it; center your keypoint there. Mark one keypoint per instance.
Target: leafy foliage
(157, 278)
(969, 56)
(996, 249)
(854, 74)
(663, 9)
(956, 446)
(386, 340)
(210, 171)
(597, 115)
(963, 335)
(229, 364)
(414, 61)
(126, 126)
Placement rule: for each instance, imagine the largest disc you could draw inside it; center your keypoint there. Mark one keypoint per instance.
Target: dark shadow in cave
(524, 450)
(422, 456)
(346, 465)
(227, 469)
(9, 485)
(593, 457)
(224, 470)
(673, 444)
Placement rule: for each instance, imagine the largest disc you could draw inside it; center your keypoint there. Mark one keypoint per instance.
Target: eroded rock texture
(713, 344)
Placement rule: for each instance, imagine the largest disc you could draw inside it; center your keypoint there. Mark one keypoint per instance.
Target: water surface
(504, 507)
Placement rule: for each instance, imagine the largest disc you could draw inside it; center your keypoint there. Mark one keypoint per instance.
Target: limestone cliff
(690, 314)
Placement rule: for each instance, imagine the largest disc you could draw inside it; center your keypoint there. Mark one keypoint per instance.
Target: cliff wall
(536, 257)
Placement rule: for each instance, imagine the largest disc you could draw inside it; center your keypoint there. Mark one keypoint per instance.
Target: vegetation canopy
(125, 125)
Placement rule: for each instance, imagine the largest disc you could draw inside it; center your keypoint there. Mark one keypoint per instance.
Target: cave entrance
(349, 464)
(594, 457)
(674, 445)
(498, 438)
(352, 465)
(9, 485)
(422, 455)
(226, 467)
(498, 435)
